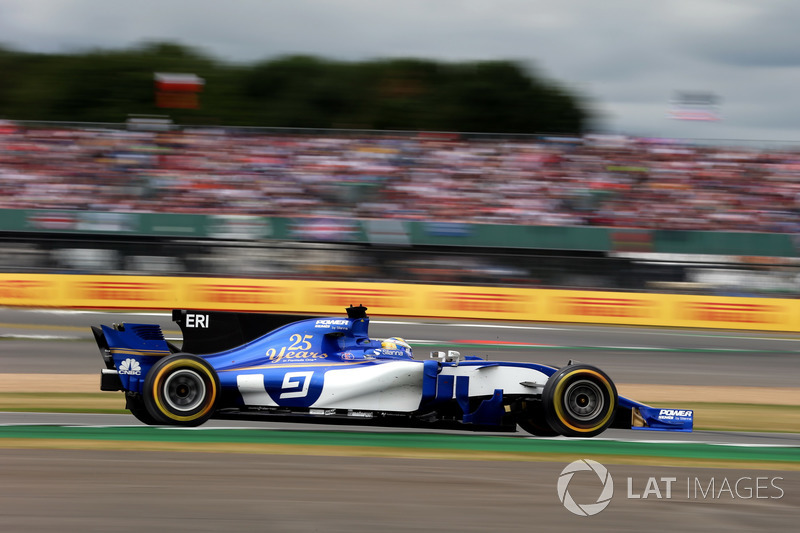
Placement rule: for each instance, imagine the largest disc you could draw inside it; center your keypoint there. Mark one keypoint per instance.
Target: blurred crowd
(593, 180)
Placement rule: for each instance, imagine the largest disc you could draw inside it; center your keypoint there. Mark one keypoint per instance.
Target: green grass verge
(411, 445)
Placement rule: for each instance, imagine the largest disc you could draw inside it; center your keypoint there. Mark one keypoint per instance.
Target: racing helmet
(397, 343)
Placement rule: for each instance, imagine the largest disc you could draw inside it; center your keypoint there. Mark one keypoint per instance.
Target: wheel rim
(184, 390)
(584, 400)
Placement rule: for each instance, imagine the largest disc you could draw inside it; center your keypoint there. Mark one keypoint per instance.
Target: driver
(393, 347)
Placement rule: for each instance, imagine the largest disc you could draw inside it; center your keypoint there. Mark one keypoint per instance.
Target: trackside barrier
(438, 301)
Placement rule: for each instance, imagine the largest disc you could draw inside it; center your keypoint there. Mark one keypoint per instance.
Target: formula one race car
(251, 365)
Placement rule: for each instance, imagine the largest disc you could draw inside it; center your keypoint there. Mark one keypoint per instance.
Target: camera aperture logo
(606, 493)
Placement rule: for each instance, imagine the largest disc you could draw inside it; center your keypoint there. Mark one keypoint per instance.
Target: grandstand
(593, 211)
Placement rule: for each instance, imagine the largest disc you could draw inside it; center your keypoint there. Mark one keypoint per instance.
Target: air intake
(148, 332)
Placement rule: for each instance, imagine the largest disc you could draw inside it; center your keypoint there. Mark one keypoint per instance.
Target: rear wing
(206, 332)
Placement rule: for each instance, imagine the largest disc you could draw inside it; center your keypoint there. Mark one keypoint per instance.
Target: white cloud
(628, 56)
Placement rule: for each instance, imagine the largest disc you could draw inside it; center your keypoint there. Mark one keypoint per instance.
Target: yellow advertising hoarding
(397, 299)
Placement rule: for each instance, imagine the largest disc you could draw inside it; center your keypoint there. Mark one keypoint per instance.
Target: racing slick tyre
(181, 390)
(533, 420)
(135, 404)
(579, 401)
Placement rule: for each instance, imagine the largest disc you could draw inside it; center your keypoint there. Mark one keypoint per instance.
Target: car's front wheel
(579, 401)
(532, 419)
(181, 389)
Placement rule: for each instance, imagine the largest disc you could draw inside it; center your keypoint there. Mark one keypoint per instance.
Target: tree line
(290, 91)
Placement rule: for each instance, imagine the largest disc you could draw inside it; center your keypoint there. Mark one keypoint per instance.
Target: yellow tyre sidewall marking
(157, 381)
(557, 399)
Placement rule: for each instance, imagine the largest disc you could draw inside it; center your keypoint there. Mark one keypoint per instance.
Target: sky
(626, 58)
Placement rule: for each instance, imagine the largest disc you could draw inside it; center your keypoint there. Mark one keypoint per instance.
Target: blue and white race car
(262, 366)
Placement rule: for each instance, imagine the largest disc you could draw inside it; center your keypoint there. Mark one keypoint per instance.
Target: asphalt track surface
(123, 490)
(110, 491)
(60, 342)
(56, 342)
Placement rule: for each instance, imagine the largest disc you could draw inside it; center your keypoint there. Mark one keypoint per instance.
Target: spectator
(590, 181)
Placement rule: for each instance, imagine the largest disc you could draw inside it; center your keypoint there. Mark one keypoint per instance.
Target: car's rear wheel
(181, 389)
(579, 401)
